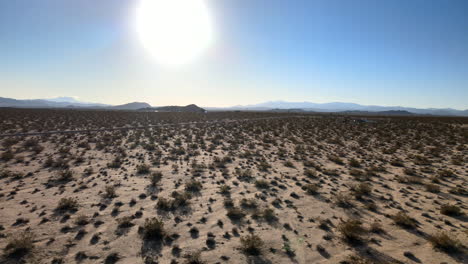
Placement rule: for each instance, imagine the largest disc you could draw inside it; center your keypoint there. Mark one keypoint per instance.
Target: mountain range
(343, 107)
(66, 102)
(71, 102)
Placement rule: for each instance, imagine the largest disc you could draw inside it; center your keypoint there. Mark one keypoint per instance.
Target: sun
(175, 32)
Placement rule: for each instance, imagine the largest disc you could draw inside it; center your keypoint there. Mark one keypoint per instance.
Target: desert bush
(109, 191)
(82, 220)
(143, 169)
(397, 163)
(311, 189)
(404, 220)
(263, 166)
(68, 204)
(269, 215)
(116, 163)
(225, 189)
(262, 184)
(310, 173)
(361, 190)
(433, 188)
(336, 159)
(289, 164)
(445, 242)
(249, 203)
(164, 204)
(445, 173)
(352, 230)
(153, 228)
(180, 199)
(20, 245)
(452, 210)
(235, 213)
(343, 200)
(194, 258)
(354, 163)
(155, 178)
(125, 222)
(251, 245)
(376, 227)
(7, 155)
(193, 186)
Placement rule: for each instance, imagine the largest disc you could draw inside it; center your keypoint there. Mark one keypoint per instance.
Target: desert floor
(288, 189)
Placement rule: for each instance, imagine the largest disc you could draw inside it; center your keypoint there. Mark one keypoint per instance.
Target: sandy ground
(305, 228)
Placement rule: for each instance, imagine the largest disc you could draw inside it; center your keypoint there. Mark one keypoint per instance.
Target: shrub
(155, 178)
(262, 184)
(81, 220)
(445, 242)
(354, 163)
(20, 245)
(404, 220)
(193, 186)
(433, 188)
(451, 210)
(180, 199)
(164, 204)
(288, 164)
(269, 215)
(109, 191)
(311, 188)
(153, 229)
(249, 203)
(143, 169)
(362, 189)
(251, 244)
(7, 155)
(376, 227)
(193, 258)
(343, 200)
(336, 159)
(65, 176)
(310, 173)
(235, 213)
(67, 204)
(224, 189)
(125, 222)
(351, 230)
(446, 173)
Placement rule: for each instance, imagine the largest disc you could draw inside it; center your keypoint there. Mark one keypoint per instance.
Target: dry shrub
(445, 242)
(68, 204)
(352, 230)
(452, 210)
(153, 229)
(20, 245)
(404, 220)
(251, 244)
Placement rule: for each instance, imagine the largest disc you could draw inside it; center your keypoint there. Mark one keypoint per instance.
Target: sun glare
(175, 32)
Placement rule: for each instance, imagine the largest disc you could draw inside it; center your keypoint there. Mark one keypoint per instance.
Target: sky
(391, 53)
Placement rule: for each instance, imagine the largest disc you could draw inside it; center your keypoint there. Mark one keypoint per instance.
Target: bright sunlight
(175, 32)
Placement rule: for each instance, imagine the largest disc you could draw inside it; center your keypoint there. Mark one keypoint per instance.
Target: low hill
(132, 106)
(192, 108)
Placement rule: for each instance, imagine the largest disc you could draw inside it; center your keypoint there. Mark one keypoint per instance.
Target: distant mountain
(132, 106)
(65, 102)
(188, 108)
(341, 107)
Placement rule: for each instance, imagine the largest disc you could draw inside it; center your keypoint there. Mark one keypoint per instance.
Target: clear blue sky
(392, 52)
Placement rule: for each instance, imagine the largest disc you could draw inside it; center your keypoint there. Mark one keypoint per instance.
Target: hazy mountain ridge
(342, 106)
(70, 102)
(66, 102)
